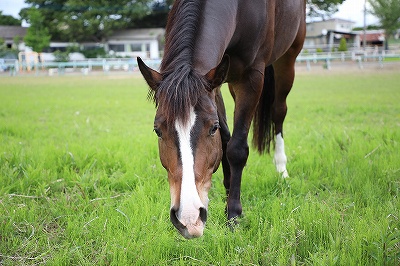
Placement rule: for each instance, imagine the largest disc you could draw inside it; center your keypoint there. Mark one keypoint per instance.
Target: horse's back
(250, 32)
(264, 32)
(273, 29)
(289, 27)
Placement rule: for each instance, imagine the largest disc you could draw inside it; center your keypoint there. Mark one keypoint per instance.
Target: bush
(342, 45)
(61, 56)
(94, 52)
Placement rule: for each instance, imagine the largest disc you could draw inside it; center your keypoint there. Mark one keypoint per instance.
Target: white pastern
(280, 159)
(190, 202)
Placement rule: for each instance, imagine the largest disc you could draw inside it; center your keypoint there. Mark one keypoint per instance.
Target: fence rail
(360, 58)
(14, 67)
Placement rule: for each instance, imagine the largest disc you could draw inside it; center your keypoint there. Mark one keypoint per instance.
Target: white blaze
(190, 202)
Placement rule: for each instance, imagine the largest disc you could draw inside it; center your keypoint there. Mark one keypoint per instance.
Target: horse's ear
(152, 77)
(217, 76)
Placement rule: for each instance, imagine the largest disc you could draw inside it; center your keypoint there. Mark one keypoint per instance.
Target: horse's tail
(263, 129)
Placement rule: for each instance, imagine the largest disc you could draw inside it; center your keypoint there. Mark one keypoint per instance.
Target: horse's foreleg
(225, 137)
(246, 94)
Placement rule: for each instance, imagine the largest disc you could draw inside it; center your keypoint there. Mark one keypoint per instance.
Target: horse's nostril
(192, 229)
(203, 215)
(175, 221)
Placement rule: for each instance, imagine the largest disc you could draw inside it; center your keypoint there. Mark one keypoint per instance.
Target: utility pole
(365, 26)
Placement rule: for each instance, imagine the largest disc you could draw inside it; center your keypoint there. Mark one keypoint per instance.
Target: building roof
(138, 34)
(9, 32)
(371, 35)
(337, 20)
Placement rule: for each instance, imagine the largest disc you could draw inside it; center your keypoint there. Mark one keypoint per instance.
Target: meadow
(81, 182)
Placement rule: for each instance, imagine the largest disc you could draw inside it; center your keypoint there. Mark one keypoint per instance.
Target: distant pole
(365, 25)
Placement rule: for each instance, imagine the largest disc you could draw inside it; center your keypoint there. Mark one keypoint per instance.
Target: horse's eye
(158, 132)
(214, 129)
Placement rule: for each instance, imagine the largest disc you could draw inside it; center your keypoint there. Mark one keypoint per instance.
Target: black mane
(181, 85)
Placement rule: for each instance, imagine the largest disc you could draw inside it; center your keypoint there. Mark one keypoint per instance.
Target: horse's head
(189, 141)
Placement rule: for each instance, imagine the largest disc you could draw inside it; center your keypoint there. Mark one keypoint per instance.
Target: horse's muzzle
(191, 230)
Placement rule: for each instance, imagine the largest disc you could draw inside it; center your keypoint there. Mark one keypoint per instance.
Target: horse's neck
(215, 32)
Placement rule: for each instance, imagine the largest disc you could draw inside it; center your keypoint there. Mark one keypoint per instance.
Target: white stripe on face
(190, 202)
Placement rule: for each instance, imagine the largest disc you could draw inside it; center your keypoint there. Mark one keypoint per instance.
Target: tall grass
(81, 182)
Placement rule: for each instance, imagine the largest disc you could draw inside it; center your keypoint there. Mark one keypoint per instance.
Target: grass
(81, 182)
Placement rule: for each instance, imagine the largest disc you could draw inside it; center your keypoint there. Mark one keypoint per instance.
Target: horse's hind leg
(284, 76)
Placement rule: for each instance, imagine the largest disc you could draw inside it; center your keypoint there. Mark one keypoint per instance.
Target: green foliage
(37, 35)
(60, 56)
(4, 51)
(17, 40)
(319, 50)
(86, 20)
(369, 27)
(388, 12)
(342, 45)
(323, 8)
(9, 20)
(98, 52)
(157, 18)
(63, 56)
(81, 181)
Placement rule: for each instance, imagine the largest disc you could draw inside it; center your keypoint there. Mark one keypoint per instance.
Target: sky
(354, 10)
(350, 9)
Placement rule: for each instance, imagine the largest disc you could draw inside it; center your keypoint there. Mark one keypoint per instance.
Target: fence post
(380, 60)
(328, 64)
(16, 67)
(360, 65)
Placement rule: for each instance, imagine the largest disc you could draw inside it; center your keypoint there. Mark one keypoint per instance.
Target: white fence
(14, 67)
(361, 58)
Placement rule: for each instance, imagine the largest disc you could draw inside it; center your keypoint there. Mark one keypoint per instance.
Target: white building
(146, 43)
(326, 34)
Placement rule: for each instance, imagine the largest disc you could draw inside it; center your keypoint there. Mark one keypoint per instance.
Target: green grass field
(81, 182)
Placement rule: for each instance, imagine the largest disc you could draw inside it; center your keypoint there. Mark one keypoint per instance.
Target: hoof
(232, 223)
(284, 174)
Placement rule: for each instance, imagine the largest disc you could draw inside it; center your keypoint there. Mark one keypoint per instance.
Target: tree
(323, 8)
(388, 13)
(87, 20)
(9, 20)
(157, 18)
(2, 44)
(37, 35)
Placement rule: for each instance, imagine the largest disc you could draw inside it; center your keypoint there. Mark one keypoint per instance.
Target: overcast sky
(350, 9)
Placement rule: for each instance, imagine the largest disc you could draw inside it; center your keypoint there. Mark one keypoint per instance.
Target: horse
(251, 45)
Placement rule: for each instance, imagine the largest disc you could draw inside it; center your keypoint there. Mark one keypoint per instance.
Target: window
(117, 47)
(136, 47)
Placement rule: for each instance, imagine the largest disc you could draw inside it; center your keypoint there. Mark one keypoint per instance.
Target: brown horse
(253, 46)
